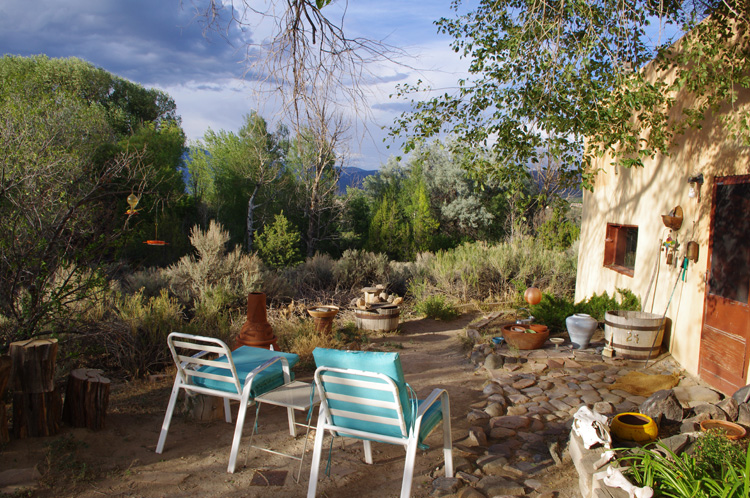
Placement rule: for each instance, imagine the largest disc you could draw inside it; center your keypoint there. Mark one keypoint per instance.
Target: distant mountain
(353, 177)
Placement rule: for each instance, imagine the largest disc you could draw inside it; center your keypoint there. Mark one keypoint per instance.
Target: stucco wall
(639, 197)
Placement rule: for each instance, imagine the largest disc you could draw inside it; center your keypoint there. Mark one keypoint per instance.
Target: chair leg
(168, 415)
(292, 425)
(312, 486)
(411, 456)
(227, 411)
(368, 451)
(447, 436)
(241, 413)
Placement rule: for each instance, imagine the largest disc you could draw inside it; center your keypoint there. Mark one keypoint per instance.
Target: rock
(510, 422)
(518, 399)
(495, 409)
(742, 395)
(501, 433)
(696, 395)
(497, 398)
(517, 410)
(676, 443)
(591, 397)
(473, 334)
(523, 383)
(466, 477)
(533, 484)
(559, 405)
(610, 398)
(477, 436)
(663, 406)
(468, 492)
(398, 301)
(533, 391)
(462, 464)
(730, 407)
(713, 411)
(500, 486)
(492, 388)
(493, 362)
(743, 415)
(604, 408)
(693, 424)
(477, 417)
(443, 486)
(477, 357)
(493, 465)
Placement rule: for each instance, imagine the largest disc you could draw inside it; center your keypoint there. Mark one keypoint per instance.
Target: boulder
(743, 415)
(663, 406)
(742, 395)
(713, 411)
(730, 407)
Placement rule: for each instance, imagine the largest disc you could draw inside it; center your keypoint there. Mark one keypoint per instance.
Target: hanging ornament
(155, 241)
(132, 202)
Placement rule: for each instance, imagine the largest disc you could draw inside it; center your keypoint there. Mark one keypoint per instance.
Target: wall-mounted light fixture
(695, 186)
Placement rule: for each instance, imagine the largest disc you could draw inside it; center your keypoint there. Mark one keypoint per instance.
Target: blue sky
(160, 43)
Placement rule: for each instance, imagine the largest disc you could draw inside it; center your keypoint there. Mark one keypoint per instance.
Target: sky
(162, 44)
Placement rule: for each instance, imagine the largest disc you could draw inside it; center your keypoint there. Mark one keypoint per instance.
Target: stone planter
(581, 328)
(516, 336)
(323, 317)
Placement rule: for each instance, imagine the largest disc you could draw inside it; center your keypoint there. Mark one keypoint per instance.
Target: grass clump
(552, 310)
(437, 307)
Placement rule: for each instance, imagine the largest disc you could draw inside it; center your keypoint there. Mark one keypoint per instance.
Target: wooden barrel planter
(634, 335)
(378, 319)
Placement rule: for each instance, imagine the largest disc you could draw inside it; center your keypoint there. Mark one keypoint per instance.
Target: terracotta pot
(581, 328)
(256, 331)
(731, 430)
(516, 336)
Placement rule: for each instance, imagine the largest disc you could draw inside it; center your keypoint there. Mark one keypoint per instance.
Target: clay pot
(516, 336)
(581, 328)
(631, 426)
(532, 295)
(731, 430)
(323, 317)
(256, 331)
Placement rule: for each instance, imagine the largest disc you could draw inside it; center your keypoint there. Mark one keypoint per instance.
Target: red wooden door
(726, 315)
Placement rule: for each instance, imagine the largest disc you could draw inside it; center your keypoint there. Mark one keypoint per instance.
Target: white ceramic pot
(580, 329)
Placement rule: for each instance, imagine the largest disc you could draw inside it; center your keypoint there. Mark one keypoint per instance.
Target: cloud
(152, 43)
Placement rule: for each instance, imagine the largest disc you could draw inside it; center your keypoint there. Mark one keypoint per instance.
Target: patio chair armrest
(434, 396)
(258, 369)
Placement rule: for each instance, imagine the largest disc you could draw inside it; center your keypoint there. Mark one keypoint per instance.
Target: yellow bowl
(634, 427)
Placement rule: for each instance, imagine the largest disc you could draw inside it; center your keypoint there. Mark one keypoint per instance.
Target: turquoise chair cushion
(388, 364)
(246, 359)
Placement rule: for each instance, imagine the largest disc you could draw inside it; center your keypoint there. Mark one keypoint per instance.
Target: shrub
(278, 244)
(437, 307)
(299, 336)
(552, 311)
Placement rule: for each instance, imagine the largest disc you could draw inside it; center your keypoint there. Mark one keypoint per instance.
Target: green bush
(437, 307)
(552, 311)
(279, 243)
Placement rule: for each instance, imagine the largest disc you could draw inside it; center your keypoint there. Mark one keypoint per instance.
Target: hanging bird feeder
(132, 202)
(155, 241)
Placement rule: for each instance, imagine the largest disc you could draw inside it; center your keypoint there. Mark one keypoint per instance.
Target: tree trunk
(250, 211)
(5, 363)
(86, 399)
(36, 402)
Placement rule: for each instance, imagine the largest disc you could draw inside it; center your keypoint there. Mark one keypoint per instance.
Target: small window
(619, 248)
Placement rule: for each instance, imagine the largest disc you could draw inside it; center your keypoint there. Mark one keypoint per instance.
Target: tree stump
(36, 402)
(86, 399)
(4, 378)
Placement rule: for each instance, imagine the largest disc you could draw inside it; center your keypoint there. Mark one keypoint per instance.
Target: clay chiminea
(256, 331)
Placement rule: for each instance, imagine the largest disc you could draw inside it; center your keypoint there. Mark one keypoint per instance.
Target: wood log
(36, 414)
(203, 408)
(37, 405)
(5, 364)
(33, 366)
(86, 399)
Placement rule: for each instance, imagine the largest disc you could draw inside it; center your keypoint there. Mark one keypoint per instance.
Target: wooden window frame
(615, 248)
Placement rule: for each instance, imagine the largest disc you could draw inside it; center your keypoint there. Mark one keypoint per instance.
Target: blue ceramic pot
(580, 329)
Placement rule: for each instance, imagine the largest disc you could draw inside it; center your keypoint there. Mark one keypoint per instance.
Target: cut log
(4, 378)
(36, 414)
(86, 399)
(203, 408)
(33, 366)
(37, 405)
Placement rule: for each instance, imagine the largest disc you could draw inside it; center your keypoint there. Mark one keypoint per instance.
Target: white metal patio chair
(239, 375)
(364, 395)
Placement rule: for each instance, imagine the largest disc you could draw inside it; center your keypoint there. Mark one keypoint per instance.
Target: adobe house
(623, 236)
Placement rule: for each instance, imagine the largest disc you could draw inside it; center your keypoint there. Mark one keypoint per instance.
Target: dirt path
(121, 462)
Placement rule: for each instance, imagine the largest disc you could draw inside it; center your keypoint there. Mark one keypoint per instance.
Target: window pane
(730, 260)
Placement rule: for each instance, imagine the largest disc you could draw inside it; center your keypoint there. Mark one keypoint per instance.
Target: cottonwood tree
(233, 172)
(66, 168)
(545, 75)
